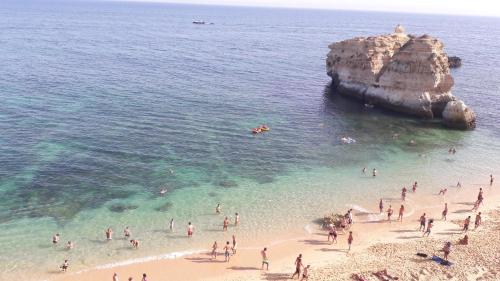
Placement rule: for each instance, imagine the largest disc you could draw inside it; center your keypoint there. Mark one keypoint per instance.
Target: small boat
(199, 22)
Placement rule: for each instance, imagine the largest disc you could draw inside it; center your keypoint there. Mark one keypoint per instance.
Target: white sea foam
(167, 256)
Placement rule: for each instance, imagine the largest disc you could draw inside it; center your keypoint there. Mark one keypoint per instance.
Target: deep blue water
(100, 100)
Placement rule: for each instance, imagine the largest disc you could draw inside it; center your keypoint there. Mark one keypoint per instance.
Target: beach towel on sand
(441, 261)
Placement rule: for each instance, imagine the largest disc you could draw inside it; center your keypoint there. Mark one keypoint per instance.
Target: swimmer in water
(55, 239)
(109, 234)
(163, 191)
(70, 245)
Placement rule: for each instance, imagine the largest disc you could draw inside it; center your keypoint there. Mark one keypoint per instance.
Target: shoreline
(246, 264)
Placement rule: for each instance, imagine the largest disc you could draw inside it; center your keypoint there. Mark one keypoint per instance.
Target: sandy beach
(377, 245)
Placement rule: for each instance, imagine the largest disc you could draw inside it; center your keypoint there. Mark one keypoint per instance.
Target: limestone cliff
(397, 71)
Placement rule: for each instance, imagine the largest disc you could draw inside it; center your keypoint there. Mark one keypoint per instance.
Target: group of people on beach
(117, 278)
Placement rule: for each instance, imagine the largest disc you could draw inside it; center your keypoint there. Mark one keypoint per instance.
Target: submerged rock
(120, 208)
(400, 72)
(454, 62)
(458, 116)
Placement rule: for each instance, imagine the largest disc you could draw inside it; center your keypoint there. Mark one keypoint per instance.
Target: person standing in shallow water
(374, 172)
(491, 179)
(190, 230)
(218, 209)
(236, 219)
(401, 211)
(226, 251)
(389, 213)
(55, 239)
(109, 234)
(171, 226)
(381, 206)
(225, 224)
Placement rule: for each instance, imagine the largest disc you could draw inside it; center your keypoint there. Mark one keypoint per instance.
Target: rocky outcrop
(458, 116)
(454, 62)
(401, 72)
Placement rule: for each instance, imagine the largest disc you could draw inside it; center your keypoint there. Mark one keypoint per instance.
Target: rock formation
(401, 72)
(454, 62)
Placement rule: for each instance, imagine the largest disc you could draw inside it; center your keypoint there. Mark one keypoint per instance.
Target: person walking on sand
(298, 266)
(234, 245)
(443, 191)
(171, 225)
(401, 212)
(349, 240)
(214, 250)
(403, 193)
(218, 209)
(491, 179)
(265, 259)
(430, 224)
(115, 277)
(144, 277)
(190, 230)
(414, 187)
(332, 232)
(445, 211)
(459, 184)
(55, 238)
(447, 250)
(305, 273)
(389, 213)
(480, 195)
(236, 219)
(478, 220)
(466, 224)
(127, 233)
(225, 224)
(109, 234)
(226, 251)
(422, 223)
(381, 206)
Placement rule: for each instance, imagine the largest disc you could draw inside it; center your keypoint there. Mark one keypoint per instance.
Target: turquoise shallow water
(101, 101)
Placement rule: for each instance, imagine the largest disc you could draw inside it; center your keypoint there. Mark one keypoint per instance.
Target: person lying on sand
(464, 241)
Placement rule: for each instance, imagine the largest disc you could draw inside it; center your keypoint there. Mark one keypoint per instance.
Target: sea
(103, 104)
